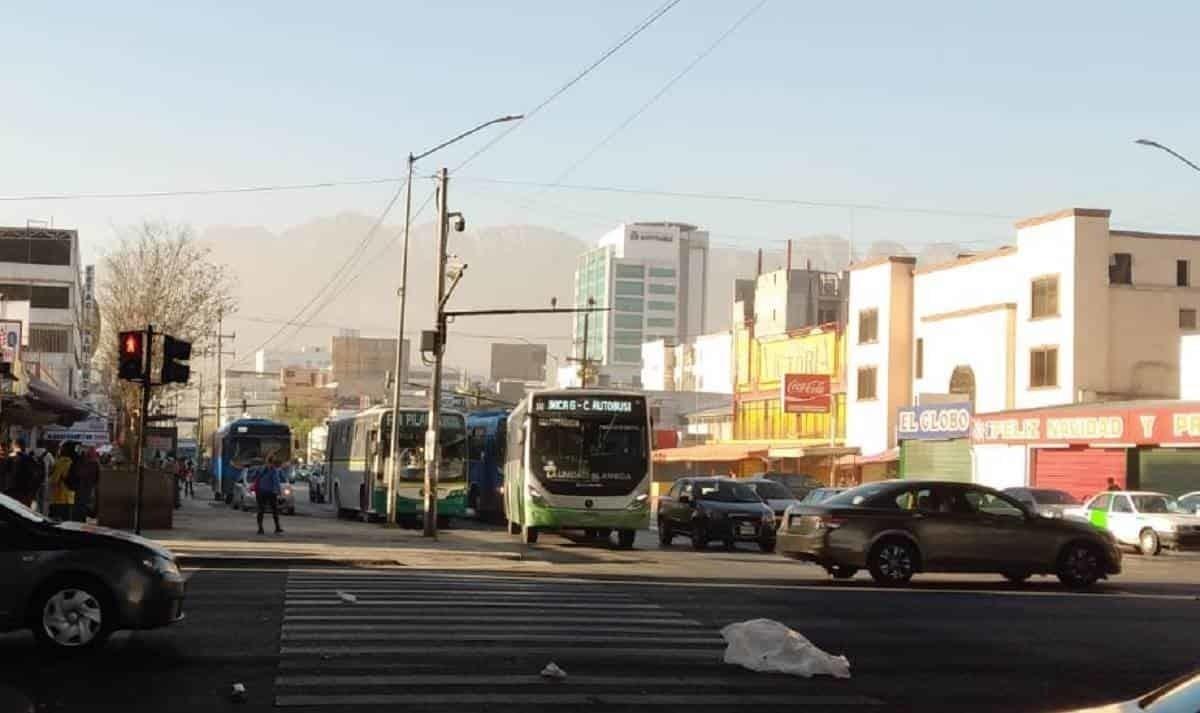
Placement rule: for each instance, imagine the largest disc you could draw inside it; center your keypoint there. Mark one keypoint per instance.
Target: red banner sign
(1131, 425)
(805, 393)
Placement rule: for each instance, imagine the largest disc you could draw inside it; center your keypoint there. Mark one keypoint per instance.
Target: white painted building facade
(1074, 312)
(704, 364)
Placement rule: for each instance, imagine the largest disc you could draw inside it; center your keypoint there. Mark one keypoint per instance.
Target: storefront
(934, 441)
(1147, 445)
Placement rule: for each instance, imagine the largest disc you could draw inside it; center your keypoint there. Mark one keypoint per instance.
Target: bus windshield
(452, 437)
(249, 450)
(588, 456)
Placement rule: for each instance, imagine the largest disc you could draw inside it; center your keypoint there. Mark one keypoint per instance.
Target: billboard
(936, 422)
(805, 393)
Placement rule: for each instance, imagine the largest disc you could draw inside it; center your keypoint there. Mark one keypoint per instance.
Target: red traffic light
(130, 348)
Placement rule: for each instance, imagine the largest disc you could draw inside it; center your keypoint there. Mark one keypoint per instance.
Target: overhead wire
(202, 191)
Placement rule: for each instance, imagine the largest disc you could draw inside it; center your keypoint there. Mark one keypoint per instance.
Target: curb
(204, 560)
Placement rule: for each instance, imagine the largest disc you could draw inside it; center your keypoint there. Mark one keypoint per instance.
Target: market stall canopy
(888, 456)
(715, 452)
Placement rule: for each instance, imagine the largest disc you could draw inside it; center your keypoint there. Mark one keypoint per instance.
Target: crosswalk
(447, 641)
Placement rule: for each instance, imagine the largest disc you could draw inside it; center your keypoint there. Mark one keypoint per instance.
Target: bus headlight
(641, 502)
(536, 496)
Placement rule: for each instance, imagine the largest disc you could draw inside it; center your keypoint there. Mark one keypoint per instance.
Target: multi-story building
(1075, 312)
(653, 277)
(361, 366)
(250, 393)
(41, 266)
(703, 364)
(786, 300)
(309, 357)
(306, 392)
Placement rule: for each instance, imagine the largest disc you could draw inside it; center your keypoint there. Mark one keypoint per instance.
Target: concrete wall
(656, 375)
(885, 285)
(981, 341)
(1189, 371)
(713, 363)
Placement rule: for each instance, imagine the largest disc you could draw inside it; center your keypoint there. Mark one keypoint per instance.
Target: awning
(888, 456)
(714, 452)
(59, 407)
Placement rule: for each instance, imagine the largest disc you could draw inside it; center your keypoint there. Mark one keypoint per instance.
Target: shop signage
(805, 393)
(1129, 425)
(10, 341)
(934, 422)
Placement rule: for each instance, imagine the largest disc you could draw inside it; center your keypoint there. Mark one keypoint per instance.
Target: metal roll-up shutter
(1173, 471)
(1080, 471)
(936, 460)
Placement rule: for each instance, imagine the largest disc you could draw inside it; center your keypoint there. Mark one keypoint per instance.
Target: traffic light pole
(148, 351)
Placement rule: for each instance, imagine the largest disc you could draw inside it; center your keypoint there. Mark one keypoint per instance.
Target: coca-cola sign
(805, 393)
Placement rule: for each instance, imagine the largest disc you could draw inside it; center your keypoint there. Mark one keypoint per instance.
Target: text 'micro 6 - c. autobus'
(578, 460)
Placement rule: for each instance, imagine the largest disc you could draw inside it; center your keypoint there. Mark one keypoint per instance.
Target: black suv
(715, 508)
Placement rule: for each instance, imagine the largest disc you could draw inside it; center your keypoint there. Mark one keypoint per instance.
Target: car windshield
(1152, 504)
(20, 509)
(726, 492)
(1053, 497)
(770, 490)
(862, 495)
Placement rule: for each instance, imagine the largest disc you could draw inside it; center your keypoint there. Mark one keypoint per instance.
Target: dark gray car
(1046, 502)
(74, 584)
(715, 508)
(898, 528)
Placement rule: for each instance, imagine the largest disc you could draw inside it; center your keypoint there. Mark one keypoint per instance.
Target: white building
(653, 277)
(41, 266)
(704, 364)
(1075, 311)
(309, 357)
(260, 392)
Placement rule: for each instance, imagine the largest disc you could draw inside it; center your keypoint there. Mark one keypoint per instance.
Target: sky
(994, 111)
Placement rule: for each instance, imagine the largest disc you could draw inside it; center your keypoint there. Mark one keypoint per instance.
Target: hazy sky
(1003, 108)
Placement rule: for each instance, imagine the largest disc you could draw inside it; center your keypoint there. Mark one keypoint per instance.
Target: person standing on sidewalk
(266, 492)
(87, 476)
(189, 477)
(62, 498)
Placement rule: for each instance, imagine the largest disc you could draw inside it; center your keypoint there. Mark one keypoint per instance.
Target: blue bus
(243, 443)
(487, 439)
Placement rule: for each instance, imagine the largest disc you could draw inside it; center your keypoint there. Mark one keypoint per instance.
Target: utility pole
(585, 363)
(145, 417)
(400, 371)
(433, 456)
(218, 486)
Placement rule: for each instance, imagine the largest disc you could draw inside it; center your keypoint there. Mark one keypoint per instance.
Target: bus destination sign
(599, 405)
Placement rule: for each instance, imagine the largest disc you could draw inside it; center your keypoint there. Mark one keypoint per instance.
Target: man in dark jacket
(88, 474)
(25, 478)
(267, 486)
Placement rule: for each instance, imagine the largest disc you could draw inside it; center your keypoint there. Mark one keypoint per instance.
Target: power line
(659, 94)
(201, 191)
(764, 200)
(650, 20)
(382, 328)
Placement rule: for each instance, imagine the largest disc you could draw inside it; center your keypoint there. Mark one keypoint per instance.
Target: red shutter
(1080, 471)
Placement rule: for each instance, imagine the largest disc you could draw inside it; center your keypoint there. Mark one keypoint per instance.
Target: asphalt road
(441, 641)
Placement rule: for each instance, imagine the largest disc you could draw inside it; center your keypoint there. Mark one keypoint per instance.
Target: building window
(35, 251)
(627, 321)
(920, 358)
(1182, 273)
(632, 271)
(1043, 367)
(655, 306)
(827, 315)
(627, 337)
(39, 296)
(868, 326)
(1187, 319)
(829, 285)
(1045, 297)
(627, 356)
(629, 289)
(866, 383)
(660, 322)
(662, 289)
(1120, 269)
(49, 340)
(624, 304)
(662, 272)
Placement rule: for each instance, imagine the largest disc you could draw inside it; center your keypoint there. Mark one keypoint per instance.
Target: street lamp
(1156, 145)
(398, 374)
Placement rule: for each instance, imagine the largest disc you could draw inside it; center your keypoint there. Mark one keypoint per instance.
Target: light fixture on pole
(400, 371)
(1176, 154)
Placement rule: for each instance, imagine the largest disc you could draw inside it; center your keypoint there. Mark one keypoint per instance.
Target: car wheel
(841, 571)
(625, 539)
(529, 534)
(1079, 565)
(699, 536)
(72, 614)
(665, 536)
(766, 545)
(892, 562)
(1148, 543)
(1017, 576)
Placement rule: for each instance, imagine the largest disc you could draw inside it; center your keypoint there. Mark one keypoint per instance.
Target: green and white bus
(578, 460)
(356, 462)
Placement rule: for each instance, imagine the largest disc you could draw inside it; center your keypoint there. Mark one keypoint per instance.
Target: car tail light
(831, 522)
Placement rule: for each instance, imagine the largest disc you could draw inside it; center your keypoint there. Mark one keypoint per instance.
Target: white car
(1146, 520)
(1188, 502)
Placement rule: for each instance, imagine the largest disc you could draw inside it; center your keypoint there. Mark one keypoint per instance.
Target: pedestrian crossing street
(449, 641)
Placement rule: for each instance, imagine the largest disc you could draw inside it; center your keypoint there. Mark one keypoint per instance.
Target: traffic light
(130, 348)
(175, 351)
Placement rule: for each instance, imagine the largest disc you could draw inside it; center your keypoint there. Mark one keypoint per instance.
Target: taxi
(1146, 520)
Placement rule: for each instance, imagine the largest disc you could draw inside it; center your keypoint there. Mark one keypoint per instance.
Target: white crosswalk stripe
(477, 642)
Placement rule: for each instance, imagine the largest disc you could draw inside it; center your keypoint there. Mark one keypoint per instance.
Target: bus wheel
(529, 534)
(443, 522)
(625, 539)
(513, 528)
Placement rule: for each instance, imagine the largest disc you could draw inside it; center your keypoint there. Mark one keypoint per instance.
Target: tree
(159, 275)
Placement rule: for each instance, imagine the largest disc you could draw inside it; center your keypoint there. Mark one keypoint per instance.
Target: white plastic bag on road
(769, 646)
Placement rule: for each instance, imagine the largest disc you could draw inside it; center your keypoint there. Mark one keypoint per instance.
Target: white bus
(356, 464)
(578, 460)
